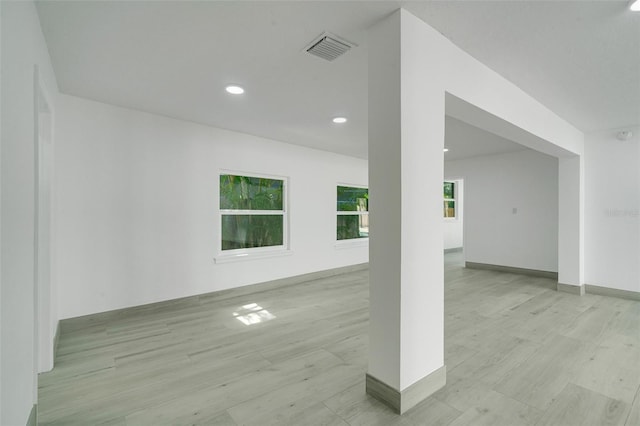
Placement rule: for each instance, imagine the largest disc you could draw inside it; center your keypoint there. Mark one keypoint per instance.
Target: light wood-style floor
(517, 353)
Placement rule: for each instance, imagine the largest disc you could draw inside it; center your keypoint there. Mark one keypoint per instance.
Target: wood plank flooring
(517, 353)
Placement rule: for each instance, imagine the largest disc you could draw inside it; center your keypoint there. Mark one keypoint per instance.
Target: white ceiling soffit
(500, 129)
(580, 59)
(465, 141)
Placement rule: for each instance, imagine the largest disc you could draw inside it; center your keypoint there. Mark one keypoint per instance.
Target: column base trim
(403, 401)
(612, 292)
(512, 270)
(578, 290)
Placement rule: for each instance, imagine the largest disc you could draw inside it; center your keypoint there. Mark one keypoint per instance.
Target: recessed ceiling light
(234, 90)
(446, 150)
(635, 6)
(340, 120)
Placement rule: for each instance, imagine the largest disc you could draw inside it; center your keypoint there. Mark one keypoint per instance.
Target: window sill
(239, 257)
(353, 243)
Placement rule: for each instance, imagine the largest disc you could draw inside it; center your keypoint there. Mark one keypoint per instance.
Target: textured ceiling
(580, 59)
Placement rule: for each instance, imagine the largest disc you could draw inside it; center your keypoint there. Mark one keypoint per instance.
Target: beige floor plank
(461, 392)
(546, 372)
(318, 415)
(634, 415)
(351, 349)
(611, 371)
(235, 389)
(289, 401)
(490, 367)
(577, 406)
(196, 415)
(126, 392)
(455, 354)
(495, 409)
(304, 343)
(358, 408)
(627, 322)
(432, 412)
(516, 351)
(591, 325)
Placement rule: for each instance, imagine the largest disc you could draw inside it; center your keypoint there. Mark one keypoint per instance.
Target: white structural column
(406, 137)
(412, 68)
(571, 224)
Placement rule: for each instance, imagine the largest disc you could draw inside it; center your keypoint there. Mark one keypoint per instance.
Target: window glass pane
(250, 193)
(353, 199)
(353, 226)
(247, 231)
(449, 190)
(449, 209)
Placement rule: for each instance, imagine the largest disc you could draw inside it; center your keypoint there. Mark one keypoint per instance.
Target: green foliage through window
(353, 199)
(249, 231)
(252, 212)
(250, 193)
(449, 199)
(449, 190)
(353, 213)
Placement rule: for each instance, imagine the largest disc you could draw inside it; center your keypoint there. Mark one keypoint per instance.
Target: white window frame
(224, 256)
(454, 199)
(351, 242)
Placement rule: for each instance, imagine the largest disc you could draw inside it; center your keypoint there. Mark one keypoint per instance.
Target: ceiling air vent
(329, 46)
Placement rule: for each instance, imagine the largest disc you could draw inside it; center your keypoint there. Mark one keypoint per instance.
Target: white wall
(23, 47)
(137, 204)
(453, 228)
(612, 205)
(494, 186)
